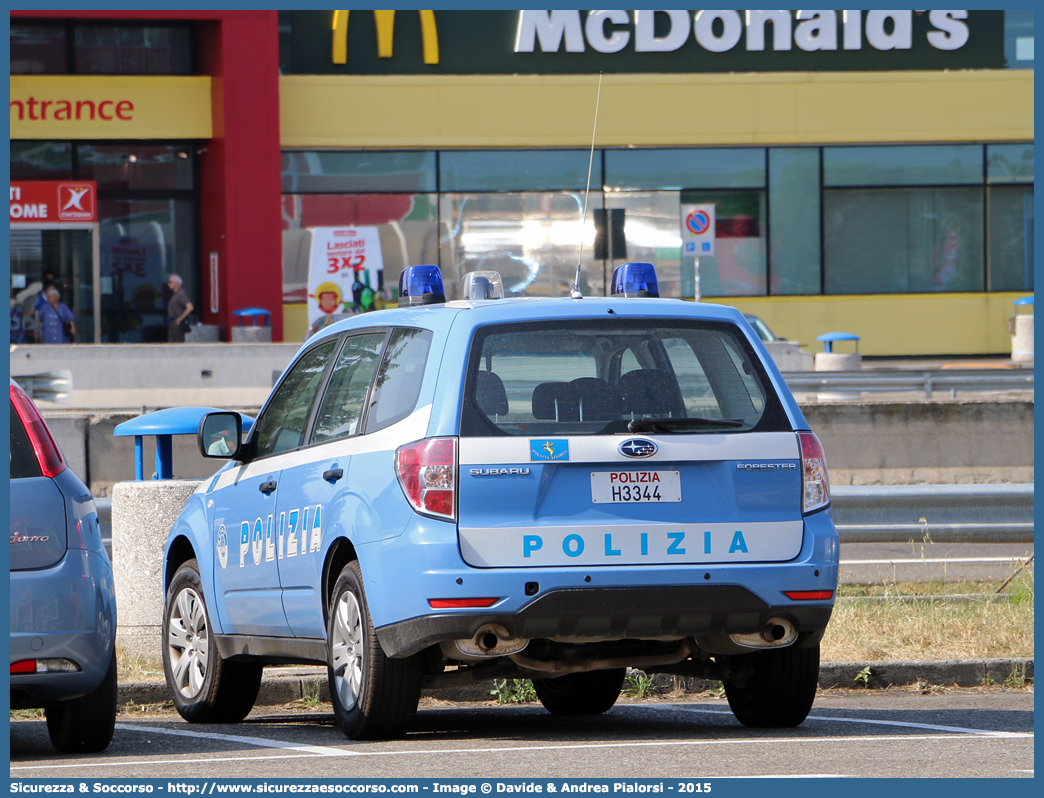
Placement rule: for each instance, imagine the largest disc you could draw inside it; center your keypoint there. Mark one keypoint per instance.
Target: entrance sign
(54, 201)
(697, 231)
(345, 271)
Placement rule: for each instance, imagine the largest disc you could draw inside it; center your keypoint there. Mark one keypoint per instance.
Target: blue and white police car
(553, 489)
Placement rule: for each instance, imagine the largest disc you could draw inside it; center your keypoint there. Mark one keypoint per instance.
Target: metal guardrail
(942, 513)
(892, 513)
(952, 380)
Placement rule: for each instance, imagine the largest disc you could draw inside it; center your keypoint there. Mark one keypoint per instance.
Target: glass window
(38, 50)
(41, 160)
(345, 395)
(719, 167)
(283, 421)
(738, 265)
(132, 50)
(406, 225)
(1018, 39)
(651, 233)
(355, 172)
(137, 167)
(398, 382)
(515, 170)
(592, 377)
(1009, 163)
(1011, 238)
(894, 241)
(142, 242)
(903, 165)
(794, 230)
(532, 239)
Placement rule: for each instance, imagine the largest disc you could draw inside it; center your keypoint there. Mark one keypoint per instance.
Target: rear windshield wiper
(669, 424)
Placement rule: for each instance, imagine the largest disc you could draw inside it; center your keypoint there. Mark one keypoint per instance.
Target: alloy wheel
(188, 643)
(347, 650)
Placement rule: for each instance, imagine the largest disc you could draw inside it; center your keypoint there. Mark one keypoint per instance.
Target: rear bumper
(614, 613)
(587, 603)
(67, 611)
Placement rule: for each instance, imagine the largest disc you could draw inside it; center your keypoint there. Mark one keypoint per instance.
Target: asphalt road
(892, 733)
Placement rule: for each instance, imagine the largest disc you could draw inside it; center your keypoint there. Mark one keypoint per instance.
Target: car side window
(342, 405)
(282, 425)
(398, 382)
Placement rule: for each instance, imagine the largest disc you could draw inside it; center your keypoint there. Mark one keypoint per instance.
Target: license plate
(630, 487)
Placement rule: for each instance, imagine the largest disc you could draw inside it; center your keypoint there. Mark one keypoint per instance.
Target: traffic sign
(697, 230)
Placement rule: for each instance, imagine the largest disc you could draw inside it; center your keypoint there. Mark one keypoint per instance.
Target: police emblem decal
(549, 450)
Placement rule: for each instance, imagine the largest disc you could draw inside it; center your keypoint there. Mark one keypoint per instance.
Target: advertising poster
(345, 271)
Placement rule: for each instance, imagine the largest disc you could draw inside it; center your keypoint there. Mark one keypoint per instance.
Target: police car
(553, 489)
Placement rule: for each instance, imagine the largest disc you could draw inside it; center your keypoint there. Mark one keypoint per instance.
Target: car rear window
(23, 458)
(589, 377)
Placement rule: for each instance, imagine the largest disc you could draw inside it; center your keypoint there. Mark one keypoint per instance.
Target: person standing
(55, 323)
(178, 309)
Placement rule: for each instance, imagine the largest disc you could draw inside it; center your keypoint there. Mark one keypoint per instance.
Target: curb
(284, 689)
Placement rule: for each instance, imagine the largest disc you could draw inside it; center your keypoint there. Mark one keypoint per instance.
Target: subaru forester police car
(553, 489)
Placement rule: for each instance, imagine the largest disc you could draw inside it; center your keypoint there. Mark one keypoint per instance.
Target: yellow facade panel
(892, 324)
(110, 107)
(655, 110)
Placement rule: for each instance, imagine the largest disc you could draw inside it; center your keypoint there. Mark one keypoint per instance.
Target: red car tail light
(48, 455)
(427, 472)
(815, 489)
(24, 666)
(457, 603)
(808, 595)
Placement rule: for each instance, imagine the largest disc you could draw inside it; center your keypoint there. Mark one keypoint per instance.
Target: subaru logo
(637, 447)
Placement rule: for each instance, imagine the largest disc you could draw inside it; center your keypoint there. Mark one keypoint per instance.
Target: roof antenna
(574, 289)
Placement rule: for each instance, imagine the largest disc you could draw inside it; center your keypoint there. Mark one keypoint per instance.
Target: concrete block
(1022, 340)
(251, 335)
(203, 334)
(789, 356)
(142, 515)
(838, 361)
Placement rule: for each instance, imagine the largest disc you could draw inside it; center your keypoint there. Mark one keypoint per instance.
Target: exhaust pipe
(491, 640)
(777, 633)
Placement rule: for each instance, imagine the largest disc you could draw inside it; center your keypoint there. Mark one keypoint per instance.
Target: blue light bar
(420, 285)
(635, 279)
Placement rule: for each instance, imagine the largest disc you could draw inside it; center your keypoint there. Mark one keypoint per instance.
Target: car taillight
(815, 490)
(48, 455)
(427, 472)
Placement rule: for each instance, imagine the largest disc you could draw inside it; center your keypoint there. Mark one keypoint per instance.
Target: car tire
(205, 687)
(84, 725)
(781, 690)
(373, 696)
(589, 693)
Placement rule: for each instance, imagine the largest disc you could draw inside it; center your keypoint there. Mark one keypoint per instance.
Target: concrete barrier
(159, 375)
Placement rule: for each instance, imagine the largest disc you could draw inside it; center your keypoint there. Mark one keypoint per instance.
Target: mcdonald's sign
(385, 35)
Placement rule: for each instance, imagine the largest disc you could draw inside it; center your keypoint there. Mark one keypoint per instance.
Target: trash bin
(1021, 328)
(829, 360)
(254, 333)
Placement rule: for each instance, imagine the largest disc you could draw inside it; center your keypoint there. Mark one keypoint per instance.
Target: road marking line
(541, 748)
(263, 742)
(915, 561)
(899, 723)
(121, 763)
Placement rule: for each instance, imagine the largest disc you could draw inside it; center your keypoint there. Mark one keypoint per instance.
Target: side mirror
(220, 435)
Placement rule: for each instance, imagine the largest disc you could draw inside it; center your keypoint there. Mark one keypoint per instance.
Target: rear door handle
(333, 474)
(267, 487)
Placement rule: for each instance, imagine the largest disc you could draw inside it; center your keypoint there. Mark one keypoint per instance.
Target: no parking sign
(697, 230)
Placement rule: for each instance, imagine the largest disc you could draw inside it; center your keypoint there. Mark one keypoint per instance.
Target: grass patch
(866, 629)
(131, 668)
(130, 708)
(639, 684)
(513, 691)
(27, 714)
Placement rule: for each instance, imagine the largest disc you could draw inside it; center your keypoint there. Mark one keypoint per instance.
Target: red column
(240, 171)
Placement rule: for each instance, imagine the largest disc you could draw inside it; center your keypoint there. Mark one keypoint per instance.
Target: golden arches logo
(385, 35)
